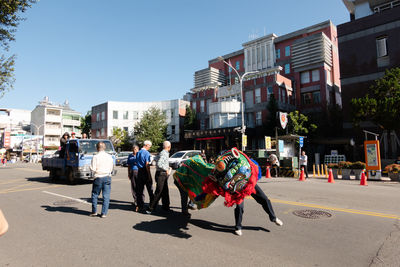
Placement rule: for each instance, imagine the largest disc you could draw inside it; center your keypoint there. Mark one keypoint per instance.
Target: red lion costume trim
(211, 187)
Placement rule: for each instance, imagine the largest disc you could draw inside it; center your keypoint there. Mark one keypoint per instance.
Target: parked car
(122, 156)
(176, 159)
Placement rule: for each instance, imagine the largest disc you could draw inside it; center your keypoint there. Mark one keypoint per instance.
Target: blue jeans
(101, 184)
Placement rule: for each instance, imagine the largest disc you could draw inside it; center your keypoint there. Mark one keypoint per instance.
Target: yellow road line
(30, 189)
(14, 187)
(30, 170)
(362, 212)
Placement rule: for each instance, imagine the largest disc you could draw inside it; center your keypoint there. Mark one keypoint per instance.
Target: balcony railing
(224, 107)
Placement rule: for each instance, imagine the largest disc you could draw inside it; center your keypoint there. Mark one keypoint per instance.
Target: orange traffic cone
(267, 173)
(302, 175)
(363, 178)
(330, 177)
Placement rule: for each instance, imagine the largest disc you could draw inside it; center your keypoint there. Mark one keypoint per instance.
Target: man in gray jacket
(162, 173)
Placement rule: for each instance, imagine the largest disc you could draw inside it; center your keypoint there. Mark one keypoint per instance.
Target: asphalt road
(50, 226)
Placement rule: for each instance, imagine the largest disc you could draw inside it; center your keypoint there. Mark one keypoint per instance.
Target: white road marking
(76, 199)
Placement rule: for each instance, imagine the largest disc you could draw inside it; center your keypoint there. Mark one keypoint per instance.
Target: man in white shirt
(102, 166)
(303, 162)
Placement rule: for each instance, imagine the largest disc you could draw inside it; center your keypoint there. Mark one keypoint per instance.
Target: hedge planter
(394, 176)
(346, 174)
(335, 173)
(357, 173)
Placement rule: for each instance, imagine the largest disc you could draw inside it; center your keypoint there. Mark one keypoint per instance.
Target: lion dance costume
(233, 176)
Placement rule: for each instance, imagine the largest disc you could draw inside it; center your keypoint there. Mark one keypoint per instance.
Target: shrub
(333, 165)
(358, 165)
(344, 165)
(393, 168)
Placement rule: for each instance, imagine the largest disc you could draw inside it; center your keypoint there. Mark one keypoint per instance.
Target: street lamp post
(241, 77)
(37, 147)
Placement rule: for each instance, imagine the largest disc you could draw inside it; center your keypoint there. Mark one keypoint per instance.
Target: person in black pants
(162, 174)
(144, 176)
(261, 199)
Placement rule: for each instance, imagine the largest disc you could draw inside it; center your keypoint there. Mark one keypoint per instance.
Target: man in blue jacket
(133, 174)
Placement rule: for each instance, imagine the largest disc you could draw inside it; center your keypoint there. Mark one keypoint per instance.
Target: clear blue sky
(92, 51)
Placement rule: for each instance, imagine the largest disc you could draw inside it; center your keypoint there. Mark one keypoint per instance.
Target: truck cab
(75, 162)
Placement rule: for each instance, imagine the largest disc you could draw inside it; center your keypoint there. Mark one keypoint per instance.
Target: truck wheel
(70, 176)
(53, 175)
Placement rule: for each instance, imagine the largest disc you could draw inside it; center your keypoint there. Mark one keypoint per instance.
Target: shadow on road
(173, 224)
(223, 228)
(47, 180)
(66, 210)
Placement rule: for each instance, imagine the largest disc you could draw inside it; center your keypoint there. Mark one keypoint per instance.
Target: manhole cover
(312, 214)
(65, 202)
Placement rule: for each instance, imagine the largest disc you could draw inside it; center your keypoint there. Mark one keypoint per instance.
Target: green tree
(381, 105)
(9, 20)
(120, 139)
(190, 121)
(153, 127)
(382, 102)
(86, 123)
(299, 124)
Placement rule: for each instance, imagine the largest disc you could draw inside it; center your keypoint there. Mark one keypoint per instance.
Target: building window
(126, 129)
(194, 107)
(236, 80)
(381, 47)
(262, 54)
(287, 68)
(316, 97)
(172, 129)
(306, 98)
(278, 53)
(258, 55)
(258, 118)
(305, 77)
(258, 95)
(202, 124)
(237, 65)
(125, 116)
(135, 115)
(97, 133)
(102, 131)
(201, 106)
(315, 75)
(248, 57)
(230, 68)
(287, 51)
(103, 115)
(328, 77)
(115, 114)
(283, 96)
(172, 113)
(253, 56)
(98, 117)
(270, 91)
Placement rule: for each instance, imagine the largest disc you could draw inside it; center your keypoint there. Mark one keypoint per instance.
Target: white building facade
(125, 115)
(52, 120)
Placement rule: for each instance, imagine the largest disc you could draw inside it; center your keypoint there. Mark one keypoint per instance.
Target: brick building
(301, 70)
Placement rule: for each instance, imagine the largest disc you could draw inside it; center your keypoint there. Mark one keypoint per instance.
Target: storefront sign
(244, 140)
(267, 142)
(372, 155)
(283, 119)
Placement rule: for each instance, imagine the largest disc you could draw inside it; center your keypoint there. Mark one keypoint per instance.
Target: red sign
(7, 139)
(283, 119)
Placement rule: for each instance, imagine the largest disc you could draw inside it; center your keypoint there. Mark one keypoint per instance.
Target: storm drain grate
(68, 202)
(312, 214)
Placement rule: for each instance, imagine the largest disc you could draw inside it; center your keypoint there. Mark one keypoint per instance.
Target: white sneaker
(238, 232)
(278, 222)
